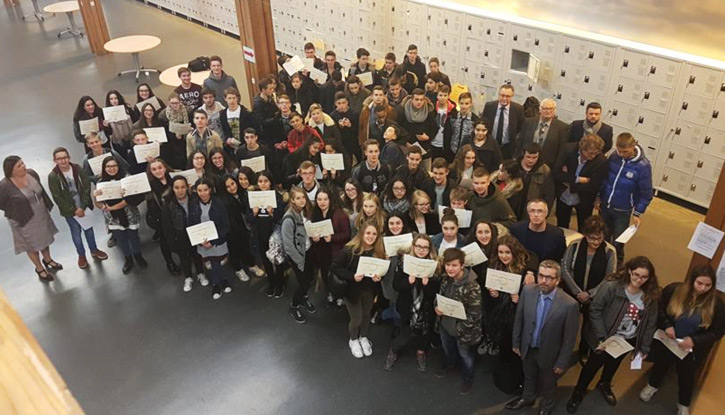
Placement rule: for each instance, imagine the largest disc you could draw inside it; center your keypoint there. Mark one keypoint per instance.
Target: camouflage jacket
(467, 291)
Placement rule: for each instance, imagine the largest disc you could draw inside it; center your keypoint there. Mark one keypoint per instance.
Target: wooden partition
(257, 37)
(95, 22)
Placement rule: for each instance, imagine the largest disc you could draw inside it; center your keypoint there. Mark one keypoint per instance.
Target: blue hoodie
(629, 183)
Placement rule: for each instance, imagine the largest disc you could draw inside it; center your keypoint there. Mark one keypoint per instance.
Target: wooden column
(11, 2)
(257, 32)
(95, 22)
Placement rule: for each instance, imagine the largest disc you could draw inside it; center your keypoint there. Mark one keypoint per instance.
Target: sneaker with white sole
(202, 279)
(647, 393)
(355, 348)
(187, 284)
(216, 292)
(340, 302)
(683, 410)
(225, 286)
(367, 346)
(243, 277)
(258, 272)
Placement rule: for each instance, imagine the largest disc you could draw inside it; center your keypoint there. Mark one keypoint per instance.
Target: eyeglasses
(547, 278)
(640, 276)
(594, 238)
(421, 247)
(62, 158)
(111, 166)
(399, 188)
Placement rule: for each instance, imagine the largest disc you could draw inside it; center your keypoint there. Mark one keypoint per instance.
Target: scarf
(396, 205)
(597, 269)
(395, 102)
(591, 129)
(416, 315)
(177, 116)
(415, 115)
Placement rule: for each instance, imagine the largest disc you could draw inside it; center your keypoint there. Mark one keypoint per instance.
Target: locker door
(453, 22)
(522, 38)
(572, 50)
(413, 34)
(520, 83)
(433, 45)
(695, 109)
(599, 56)
(676, 182)
(701, 190)
(493, 55)
(651, 123)
(496, 32)
(545, 43)
(662, 71)
(650, 145)
(451, 66)
(595, 81)
(709, 166)
(567, 74)
(657, 98)
(689, 135)
(474, 50)
(397, 30)
(398, 11)
(624, 114)
(474, 27)
(567, 99)
(451, 45)
(703, 81)
(632, 65)
(490, 77)
(434, 19)
(718, 116)
(414, 12)
(471, 73)
(682, 158)
(714, 142)
(629, 91)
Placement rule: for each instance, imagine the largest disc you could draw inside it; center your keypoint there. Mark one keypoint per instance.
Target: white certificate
(626, 235)
(474, 254)
(503, 281)
(262, 199)
(257, 164)
(142, 151)
(86, 221)
(671, 344)
(616, 346)
(705, 240)
(309, 64)
(318, 76)
(721, 275)
(190, 175)
(96, 163)
(451, 308)
(370, 265)
(88, 126)
(418, 267)
(395, 244)
(153, 101)
(203, 232)
(109, 190)
(417, 144)
(294, 65)
(156, 134)
(135, 184)
(366, 78)
(319, 229)
(180, 128)
(464, 216)
(332, 161)
(115, 114)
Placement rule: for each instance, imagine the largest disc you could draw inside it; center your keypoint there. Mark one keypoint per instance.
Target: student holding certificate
(160, 181)
(252, 148)
(332, 178)
(625, 306)
(122, 216)
(198, 162)
(449, 237)
(303, 92)
(87, 110)
(144, 92)
(175, 113)
(361, 288)
(395, 225)
(485, 235)
(415, 306)
(692, 312)
(214, 253)
(459, 337)
(294, 240)
(396, 197)
(120, 129)
(263, 221)
(95, 150)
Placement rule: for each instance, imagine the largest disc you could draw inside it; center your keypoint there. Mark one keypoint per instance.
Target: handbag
(276, 253)
(198, 64)
(337, 286)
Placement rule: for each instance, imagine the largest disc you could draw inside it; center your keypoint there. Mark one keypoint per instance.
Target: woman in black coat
(160, 181)
(237, 203)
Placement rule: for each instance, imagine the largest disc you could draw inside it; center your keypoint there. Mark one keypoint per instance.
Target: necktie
(541, 311)
(499, 127)
(542, 133)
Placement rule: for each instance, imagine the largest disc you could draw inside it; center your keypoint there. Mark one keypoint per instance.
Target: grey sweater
(294, 237)
(219, 85)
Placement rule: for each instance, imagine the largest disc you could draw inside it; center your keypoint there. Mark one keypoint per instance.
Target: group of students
(416, 164)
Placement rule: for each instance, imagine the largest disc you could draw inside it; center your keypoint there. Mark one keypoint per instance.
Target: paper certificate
(369, 266)
(626, 235)
(474, 254)
(464, 216)
(143, 151)
(86, 221)
(366, 78)
(88, 126)
(309, 64)
(262, 199)
(417, 144)
(319, 229)
(115, 114)
(318, 76)
(156, 134)
(190, 176)
(395, 244)
(332, 161)
(96, 163)
(294, 65)
(135, 184)
(203, 232)
(705, 240)
(257, 164)
(503, 281)
(109, 190)
(616, 346)
(418, 267)
(153, 101)
(671, 344)
(451, 308)
(180, 128)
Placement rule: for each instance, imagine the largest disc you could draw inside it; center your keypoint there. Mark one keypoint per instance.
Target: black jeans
(415, 339)
(304, 280)
(595, 362)
(240, 252)
(563, 213)
(686, 368)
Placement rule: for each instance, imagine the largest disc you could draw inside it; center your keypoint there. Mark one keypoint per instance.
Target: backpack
(276, 253)
(201, 63)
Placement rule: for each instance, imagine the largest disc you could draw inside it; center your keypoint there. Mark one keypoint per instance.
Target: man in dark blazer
(545, 130)
(506, 114)
(545, 329)
(592, 125)
(578, 175)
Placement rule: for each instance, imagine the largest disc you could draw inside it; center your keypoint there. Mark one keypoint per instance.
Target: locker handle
(620, 88)
(507, 82)
(468, 48)
(692, 79)
(563, 72)
(715, 114)
(646, 95)
(488, 31)
(641, 120)
(582, 102)
(625, 64)
(707, 140)
(665, 177)
(699, 164)
(671, 155)
(678, 131)
(693, 187)
(516, 38)
(591, 55)
(615, 112)
(536, 42)
(485, 53)
(566, 49)
(722, 87)
(652, 70)
(586, 79)
(445, 22)
(685, 105)
(530, 88)
(470, 27)
(558, 95)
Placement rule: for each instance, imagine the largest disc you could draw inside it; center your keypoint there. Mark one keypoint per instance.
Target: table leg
(138, 68)
(73, 29)
(37, 13)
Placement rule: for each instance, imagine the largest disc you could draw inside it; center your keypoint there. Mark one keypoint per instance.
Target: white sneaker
(259, 272)
(243, 277)
(340, 302)
(216, 296)
(682, 410)
(227, 289)
(202, 279)
(647, 393)
(367, 346)
(355, 348)
(187, 284)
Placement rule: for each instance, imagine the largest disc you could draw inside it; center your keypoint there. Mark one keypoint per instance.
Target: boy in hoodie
(347, 123)
(392, 154)
(487, 203)
(363, 65)
(356, 93)
(445, 111)
(459, 337)
(538, 182)
(413, 64)
(218, 80)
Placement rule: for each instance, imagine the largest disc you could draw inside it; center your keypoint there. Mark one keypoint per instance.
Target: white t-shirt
(445, 245)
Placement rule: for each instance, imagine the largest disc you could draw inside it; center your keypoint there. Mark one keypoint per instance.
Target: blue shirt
(542, 309)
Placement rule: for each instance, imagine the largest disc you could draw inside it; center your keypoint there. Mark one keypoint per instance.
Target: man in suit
(592, 125)
(506, 117)
(545, 130)
(578, 175)
(545, 329)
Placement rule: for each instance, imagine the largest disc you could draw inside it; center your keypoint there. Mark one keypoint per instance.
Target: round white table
(37, 13)
(134, 45)
(67, 7)
(170, 76)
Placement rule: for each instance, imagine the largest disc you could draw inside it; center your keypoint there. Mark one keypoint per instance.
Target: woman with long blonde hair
(371, 212)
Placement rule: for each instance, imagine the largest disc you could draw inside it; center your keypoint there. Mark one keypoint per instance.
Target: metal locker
(433, 45)
(662, 71)
(398, 11)
(629, 91)
(682, 158)
(471, 72)
(451, 44)
(363, 38)
(709, 166)
(414, 12)
(544, 43)
(399, 48)
(689, 134)
(717, 119)
(413, 34)
(363, 20)
(567, 74)
(522, 38)
(398, 31)
(493, 55)
(474, 27)
(701, 81)
(622, 114)
(434, 18)
(649, 144)
(567, 99)
(599, 56)
(714, 142)
(490, 77)
(366, 5)
(695, 109)
(474, 50)
(451, 66)
(650, 122)
(675, 182)
(453, 22)
(594, 81)
(632, 65)
(519, 82)
(701, 190)
(657, 98)
(496, 32)
(572, 49)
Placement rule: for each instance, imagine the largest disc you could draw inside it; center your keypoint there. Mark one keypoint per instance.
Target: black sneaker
(466, 387)
(279, 292)
(140, 260)
(173, 268)
(297, 314)
(270, 291)
(127, 264)
(216, 292)
(308, 306)
(422, 362)
(390, 360)
(606, 390)
(442, 372)
(576, 399)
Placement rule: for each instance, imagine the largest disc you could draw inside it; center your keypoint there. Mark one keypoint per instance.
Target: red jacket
(295, 139)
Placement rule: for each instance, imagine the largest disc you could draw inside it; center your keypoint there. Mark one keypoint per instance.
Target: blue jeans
(617, 221)
(128, 241)
(75, 234)
(217, 272)
(453, 348)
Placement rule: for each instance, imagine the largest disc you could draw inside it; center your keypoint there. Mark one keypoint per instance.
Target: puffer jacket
(294, 237)
(467, 291)
(629, 183)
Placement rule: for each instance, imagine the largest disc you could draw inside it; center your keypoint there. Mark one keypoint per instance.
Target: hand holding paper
(616, 346)
(202, 232)
(451, 308)
(419, 267)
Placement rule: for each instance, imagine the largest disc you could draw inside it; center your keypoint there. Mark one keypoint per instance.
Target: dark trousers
(563, 213)
(217, 270)
(617, 221)
(686, 368)
(165, 247)
(187, 254)
(240, 252)
(411, 338)
(128, 241)
(453, 349)
(359, 309)
(436, 152)
(539, 376)
(595, 362)
(507, 150)
(304, 280)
